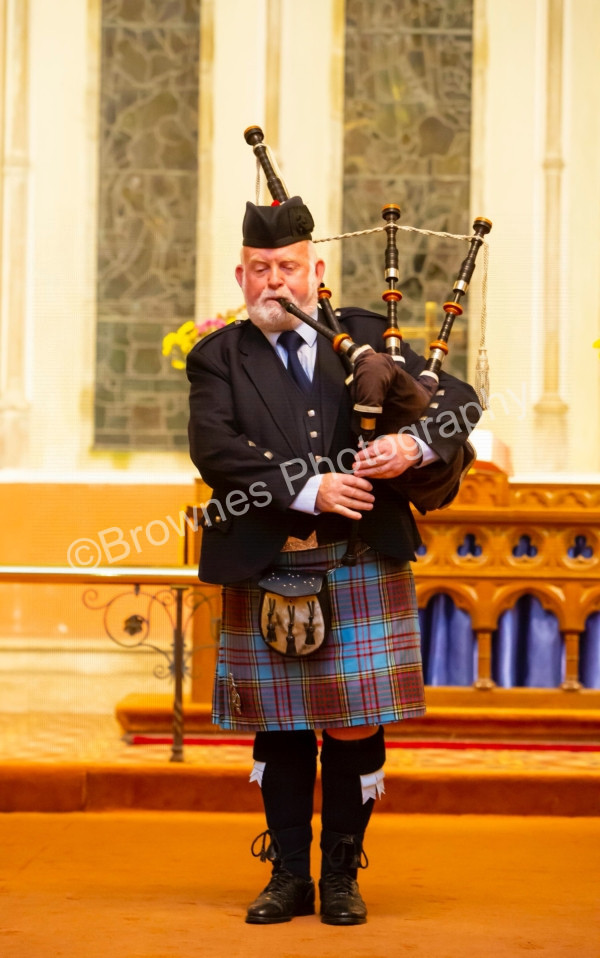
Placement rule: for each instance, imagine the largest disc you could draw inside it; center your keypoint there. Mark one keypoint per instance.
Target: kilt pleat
(368, 671)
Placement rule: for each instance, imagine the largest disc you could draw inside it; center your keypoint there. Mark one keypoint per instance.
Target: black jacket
(248, 441)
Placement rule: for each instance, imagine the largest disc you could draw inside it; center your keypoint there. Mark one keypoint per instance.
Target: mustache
(267, 297)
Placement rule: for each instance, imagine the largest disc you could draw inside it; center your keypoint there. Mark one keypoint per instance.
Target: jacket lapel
(266, 371)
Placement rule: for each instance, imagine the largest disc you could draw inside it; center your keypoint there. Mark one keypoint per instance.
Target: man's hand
(345, 494)
(388, 456)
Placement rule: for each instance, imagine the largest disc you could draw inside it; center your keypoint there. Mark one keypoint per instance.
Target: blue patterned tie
(291, 342)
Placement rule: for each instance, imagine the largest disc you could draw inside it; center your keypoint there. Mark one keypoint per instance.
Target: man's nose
(275, 277)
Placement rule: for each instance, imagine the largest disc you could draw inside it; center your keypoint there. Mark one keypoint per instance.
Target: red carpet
(405, 743)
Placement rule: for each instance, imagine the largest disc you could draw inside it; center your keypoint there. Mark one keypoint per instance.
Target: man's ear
(239, 273)
(320, 269)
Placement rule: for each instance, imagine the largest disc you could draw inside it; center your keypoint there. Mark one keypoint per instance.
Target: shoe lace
(347, 853)
(340, 883)
(267, 852)
(280, 881)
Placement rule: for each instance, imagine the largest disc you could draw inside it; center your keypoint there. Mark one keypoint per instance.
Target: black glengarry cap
(270, 227)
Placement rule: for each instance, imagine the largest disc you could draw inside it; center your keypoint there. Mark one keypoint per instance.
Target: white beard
(271, 317)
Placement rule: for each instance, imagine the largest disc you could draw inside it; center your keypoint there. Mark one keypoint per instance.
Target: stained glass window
(407, 141)
(147, 218)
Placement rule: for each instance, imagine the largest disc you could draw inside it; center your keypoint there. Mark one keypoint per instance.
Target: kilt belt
(292, 544)
(313, 541)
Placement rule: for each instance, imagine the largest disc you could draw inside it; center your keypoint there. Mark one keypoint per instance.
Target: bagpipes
(386, 398)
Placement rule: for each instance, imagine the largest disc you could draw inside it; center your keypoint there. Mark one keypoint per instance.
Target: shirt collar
(309, 335)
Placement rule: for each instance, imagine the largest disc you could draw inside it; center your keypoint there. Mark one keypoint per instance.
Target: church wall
(55, 654)
(279, 64)
(580, 307)
(535, 171)
(241, 85)
(280, 69)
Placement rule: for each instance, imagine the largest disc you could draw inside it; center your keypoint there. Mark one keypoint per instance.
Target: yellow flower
(178, 344)
(596, 345)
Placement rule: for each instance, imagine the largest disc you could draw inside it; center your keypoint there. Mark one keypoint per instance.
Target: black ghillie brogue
(285, 897)
(341, 901)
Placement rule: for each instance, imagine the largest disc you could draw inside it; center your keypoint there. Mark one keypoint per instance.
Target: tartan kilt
(367, 672)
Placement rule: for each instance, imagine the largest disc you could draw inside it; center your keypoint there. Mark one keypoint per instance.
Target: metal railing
(179, 600)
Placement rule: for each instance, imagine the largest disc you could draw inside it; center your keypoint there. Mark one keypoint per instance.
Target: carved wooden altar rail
(489, 520)
(558, 529)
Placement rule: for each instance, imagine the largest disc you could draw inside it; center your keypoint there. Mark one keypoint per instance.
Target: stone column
(281, 69)
(551, 410)
(14, 184)
(272, 78)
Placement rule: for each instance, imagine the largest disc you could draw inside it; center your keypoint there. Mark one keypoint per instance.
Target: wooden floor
(162, 884)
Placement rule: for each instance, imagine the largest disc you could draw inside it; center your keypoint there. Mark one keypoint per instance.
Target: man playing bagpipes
(314, 640)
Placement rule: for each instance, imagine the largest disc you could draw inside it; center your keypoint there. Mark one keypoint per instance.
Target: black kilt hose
(368, 671)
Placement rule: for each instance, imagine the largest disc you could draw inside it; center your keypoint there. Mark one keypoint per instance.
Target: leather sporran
(294, 611)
